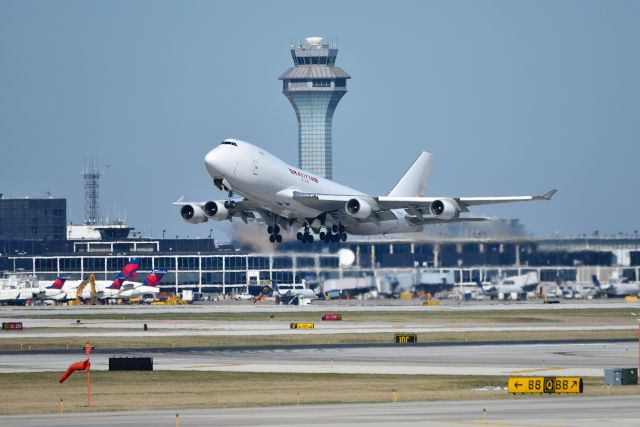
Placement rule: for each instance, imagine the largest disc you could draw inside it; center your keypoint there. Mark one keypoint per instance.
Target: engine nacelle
(193, 214)
(216, 211)
(358, 208)
(444, 209)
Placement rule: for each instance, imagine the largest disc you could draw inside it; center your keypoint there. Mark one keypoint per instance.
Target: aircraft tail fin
(414, 182)
(117, 282)
(595, 281)
(154, 278)
(58, 283)
(130, 270)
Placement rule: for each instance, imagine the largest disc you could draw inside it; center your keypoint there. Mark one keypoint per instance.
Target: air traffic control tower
(314, 86)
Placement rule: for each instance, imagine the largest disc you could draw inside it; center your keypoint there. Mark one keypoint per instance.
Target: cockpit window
(229, 143)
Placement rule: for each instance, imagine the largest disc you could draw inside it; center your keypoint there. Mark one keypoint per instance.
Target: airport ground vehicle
(243, 296)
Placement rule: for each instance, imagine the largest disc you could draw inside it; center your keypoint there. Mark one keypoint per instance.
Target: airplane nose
(212, 162)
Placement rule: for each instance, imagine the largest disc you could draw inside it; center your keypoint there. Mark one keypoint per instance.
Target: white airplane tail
(414, 182)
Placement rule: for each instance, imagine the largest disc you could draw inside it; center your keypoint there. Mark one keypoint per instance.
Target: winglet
(547, 196)
(180, 201)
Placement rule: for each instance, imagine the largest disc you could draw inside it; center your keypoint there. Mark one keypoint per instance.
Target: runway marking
(494, 423)
(523, 371)
(216, 365)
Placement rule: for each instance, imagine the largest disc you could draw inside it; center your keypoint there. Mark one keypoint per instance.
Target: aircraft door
(255, 167)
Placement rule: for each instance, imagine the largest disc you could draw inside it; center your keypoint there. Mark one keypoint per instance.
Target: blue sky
(512, 98)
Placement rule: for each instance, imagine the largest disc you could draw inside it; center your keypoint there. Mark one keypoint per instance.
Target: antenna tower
(91, 177)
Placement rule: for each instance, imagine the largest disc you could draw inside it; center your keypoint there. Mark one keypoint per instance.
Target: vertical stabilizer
(414, 182)
(154, 278)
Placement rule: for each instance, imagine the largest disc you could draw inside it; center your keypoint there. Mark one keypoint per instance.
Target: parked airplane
(136, 289)
(299, 289)
(512, 285)
(287, 198)
(16, 295)
(18, 289)
(617, 287)
(105, 287)
(54, 291)
(113, 289)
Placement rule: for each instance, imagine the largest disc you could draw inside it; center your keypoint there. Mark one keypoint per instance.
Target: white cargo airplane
(286, 197)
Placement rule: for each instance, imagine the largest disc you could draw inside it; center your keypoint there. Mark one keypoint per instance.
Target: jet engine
(193, 214)
(444, 209)
(358, 208)
(216, 211)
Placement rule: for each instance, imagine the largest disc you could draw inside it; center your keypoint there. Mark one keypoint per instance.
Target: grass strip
(116, 391)
(18, 344)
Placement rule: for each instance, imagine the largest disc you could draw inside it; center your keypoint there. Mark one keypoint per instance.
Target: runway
(572, 359)
(537, 411)
(62, 328)
(316, 306)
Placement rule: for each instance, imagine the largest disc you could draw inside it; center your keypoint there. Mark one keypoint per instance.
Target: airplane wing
(463, 202)
(325, 202)
(416, 207)
(419, 210)
(245, 210)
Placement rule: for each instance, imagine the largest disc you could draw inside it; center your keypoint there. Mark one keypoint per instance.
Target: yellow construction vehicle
(175, 300)
(91, 280)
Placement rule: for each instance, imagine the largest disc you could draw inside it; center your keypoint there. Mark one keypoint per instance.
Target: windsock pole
(89, 386)
(87, 349)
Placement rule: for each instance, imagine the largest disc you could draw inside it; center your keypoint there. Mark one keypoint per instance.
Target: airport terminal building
(201, 265)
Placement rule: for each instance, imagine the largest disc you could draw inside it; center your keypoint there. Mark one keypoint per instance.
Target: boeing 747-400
(287, 198)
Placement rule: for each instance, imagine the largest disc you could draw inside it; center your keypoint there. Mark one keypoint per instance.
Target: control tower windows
(321, 83)
(315, 60)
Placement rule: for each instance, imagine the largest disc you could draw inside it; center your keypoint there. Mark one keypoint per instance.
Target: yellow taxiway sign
(545, 385)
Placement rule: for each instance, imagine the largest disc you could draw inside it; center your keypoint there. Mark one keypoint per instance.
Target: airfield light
(636, 316)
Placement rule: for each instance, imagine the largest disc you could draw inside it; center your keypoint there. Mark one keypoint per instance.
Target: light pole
(637, 318)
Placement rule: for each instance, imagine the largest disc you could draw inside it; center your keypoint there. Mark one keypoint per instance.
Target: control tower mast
(314, 86)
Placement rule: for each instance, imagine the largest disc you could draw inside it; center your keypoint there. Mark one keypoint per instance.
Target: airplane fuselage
(621, 289)
(257, 175)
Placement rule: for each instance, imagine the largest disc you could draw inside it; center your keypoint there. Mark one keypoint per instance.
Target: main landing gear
(274, 233)
(305, 237)
(333, 234)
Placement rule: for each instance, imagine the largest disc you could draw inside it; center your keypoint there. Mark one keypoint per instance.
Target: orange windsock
(83, 365)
